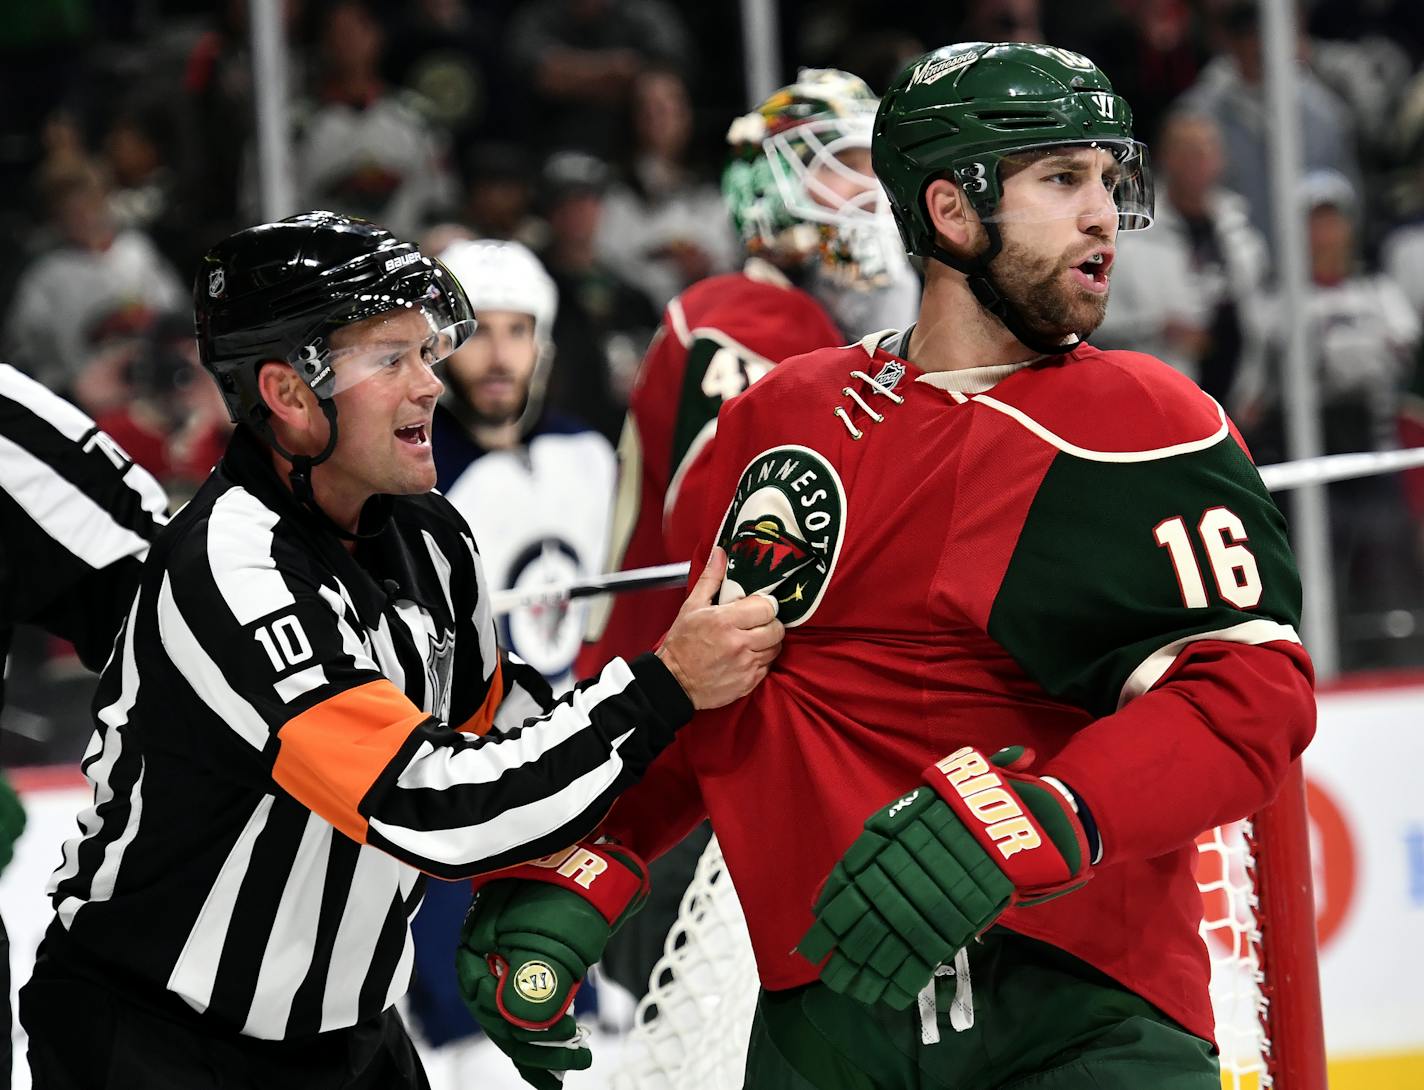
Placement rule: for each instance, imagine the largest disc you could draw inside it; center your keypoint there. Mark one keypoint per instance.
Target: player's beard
(1046, 301)
(475, 415)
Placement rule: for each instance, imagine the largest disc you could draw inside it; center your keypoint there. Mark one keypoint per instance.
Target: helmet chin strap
(299, 477)
(992, 299)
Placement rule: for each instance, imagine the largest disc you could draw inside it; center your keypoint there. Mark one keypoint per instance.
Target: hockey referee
(306, 710)
(76, 519)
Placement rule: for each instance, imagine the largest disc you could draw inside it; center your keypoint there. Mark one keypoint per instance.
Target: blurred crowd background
(594, 132)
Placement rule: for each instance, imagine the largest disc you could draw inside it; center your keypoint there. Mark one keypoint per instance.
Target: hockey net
(690, 1031)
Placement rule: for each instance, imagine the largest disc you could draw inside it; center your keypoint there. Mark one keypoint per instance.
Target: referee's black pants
(83, 1036)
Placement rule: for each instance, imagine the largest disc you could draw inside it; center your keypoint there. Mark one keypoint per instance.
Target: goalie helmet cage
(690, 1031)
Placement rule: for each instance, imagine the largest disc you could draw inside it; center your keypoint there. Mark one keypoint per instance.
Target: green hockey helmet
(798, 185)
(963, 111)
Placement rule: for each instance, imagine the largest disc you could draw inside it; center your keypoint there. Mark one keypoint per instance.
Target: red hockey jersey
(1075, 555)
(716, 339)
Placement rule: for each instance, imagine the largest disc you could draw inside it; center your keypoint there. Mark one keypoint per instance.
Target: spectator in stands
(1190, 290)
(1230, 91)
(447, 52)
(368, 150)
(1402, 252)
(582, 57)
(1152, 49)
(217, 115)
(604, 323)
(1364, 334)
(664, 226)
(173, 423)
(97, 280)
(499, 194)
(1003, 21)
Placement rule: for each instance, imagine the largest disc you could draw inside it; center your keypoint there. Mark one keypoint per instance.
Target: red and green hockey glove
(937, 867)
(530, 937)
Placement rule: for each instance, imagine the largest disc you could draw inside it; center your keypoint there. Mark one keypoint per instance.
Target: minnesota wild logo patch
(783, 531)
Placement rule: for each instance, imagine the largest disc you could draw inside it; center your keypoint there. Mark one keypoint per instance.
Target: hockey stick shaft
(654, 578)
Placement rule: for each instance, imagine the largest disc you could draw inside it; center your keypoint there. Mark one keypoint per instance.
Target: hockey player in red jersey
(1041, 627)
(823, 268)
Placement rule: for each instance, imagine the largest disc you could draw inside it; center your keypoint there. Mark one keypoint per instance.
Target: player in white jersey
(533, 482)
(534, 485)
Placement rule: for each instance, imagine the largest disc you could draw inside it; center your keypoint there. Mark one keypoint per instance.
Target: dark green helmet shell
(957, 111)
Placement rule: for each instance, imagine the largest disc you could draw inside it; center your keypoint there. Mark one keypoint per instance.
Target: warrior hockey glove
(530, 936)
(937, 867)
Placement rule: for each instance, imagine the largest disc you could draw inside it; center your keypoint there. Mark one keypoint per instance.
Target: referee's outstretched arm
(284, 663)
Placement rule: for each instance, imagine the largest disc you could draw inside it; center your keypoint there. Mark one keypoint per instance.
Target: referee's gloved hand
(937, 867)
(530, 937)
(12, 821)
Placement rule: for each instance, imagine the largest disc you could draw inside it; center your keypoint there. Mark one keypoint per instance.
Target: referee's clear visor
(418, 329)
(1041, 183)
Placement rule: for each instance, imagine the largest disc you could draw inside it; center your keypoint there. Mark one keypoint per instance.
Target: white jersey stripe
(192, 661)
(373, 886)
(300, 683)
(400, 979)
(1106, 455)
(442, 568)
(109, 744)
(1155, 666)
(484, 618)
(63, 511)
(287, 959)
(489, 763)
(196, 969)
(240, 557)
(48, 406)
(512, 827)
(350, 643)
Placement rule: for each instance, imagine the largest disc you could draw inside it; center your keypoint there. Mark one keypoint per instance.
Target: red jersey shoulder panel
(772, 320)
(1123, 405)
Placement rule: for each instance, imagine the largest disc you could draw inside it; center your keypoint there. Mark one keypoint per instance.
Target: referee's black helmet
(276, 291)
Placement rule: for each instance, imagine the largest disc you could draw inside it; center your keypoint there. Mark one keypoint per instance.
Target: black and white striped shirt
(76, 518)
(289, 734)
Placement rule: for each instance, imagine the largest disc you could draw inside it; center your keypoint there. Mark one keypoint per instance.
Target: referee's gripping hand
(720, 653)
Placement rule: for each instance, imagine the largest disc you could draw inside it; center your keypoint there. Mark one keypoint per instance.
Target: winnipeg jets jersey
(540, 514)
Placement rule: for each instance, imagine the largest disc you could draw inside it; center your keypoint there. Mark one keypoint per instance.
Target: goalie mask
(799, 186)
(500, 276)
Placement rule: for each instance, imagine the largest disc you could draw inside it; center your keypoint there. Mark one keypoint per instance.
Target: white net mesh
(690, 1031)
(1231, 929)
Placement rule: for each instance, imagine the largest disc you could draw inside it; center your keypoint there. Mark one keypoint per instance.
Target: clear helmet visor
(415, 324)
(1040, 184)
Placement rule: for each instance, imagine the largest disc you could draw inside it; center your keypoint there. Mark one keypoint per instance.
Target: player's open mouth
(417, 435)
(1092, 273)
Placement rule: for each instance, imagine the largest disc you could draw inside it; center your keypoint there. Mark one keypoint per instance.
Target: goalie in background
(822, 266)
(1041, 624)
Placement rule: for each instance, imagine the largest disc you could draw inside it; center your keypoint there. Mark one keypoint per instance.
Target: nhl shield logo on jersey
(783, 531)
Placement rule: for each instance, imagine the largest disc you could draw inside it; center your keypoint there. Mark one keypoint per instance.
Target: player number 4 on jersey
(1233, 567)
(728, 374)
